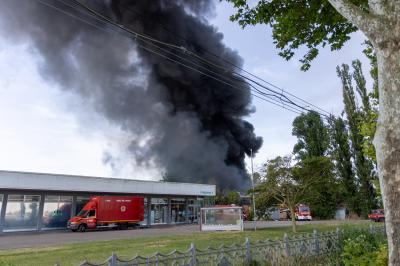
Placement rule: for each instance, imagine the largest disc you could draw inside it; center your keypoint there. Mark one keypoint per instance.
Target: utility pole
(252, 182)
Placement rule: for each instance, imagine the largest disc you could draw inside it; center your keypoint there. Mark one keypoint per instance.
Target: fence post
(337, 237)
(286, 243)
(193, 251)
(112, 261)
(157, 259)
(337, 242)
(316, 242)
(248, 254)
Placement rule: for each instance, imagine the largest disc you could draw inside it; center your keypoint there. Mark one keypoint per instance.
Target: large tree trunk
(381, 24)
(387, 144)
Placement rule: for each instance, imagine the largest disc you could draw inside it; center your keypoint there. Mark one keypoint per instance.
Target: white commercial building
(38, 201)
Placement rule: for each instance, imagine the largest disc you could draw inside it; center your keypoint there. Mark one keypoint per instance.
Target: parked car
(377, 215)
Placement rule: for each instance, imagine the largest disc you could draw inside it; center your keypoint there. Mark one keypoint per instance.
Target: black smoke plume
(189, 125)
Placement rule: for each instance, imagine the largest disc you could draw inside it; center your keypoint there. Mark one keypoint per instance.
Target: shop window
(178, 210)
(159, 211)
(22, 212)
(81, 202)
(56, 211)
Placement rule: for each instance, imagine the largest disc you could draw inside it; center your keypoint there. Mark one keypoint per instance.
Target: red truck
(108, 211)
(303, 213)
(377, 215)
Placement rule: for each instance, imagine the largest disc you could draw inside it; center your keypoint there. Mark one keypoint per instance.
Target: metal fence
(275, 252)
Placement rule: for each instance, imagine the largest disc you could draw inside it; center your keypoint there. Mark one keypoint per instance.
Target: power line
(146, 48)
(129, 8)
(180, 48)
(98, 27)
(103, 29)
(148, 40)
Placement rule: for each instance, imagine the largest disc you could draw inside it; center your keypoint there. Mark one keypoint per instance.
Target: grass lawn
(73, 254)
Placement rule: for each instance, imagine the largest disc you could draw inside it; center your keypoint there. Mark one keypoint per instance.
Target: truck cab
(85, 219)
(303, 213)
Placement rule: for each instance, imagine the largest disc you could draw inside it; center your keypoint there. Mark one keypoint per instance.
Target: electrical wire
(200, 58)
(175, 46)
(148, 40)
(129, 8)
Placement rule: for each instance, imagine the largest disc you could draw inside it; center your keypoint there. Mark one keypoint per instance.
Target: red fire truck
(303, 213)
(377, 215)
(108, 211)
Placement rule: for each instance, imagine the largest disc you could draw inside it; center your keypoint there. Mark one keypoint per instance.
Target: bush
(382, 255)
(364, 250)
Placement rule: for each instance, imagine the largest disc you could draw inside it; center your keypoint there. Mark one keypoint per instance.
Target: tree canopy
(305, 23)
(312, 136)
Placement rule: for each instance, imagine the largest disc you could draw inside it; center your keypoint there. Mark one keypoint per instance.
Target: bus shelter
(226, 218)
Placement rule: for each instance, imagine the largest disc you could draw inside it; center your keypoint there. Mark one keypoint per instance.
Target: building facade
(38, 201)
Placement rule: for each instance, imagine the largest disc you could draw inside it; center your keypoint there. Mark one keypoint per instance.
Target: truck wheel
(74, 230)
(381, 219)
(123, 226)
(82, 228)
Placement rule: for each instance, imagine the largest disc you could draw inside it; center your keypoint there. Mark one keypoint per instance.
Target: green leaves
(313, 24)
(312, 134)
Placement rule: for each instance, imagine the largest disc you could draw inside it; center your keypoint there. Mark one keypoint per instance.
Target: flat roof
(14, 180)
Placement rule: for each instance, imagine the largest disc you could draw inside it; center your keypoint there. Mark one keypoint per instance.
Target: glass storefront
(178, 210)
(159, 211)
(22, 212)
(193, 211)
(80, 203)
(56, 211)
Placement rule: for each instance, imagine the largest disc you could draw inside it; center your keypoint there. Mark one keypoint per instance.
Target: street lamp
(252, 183)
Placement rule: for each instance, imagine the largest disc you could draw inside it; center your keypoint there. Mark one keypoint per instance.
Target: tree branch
(364, 21)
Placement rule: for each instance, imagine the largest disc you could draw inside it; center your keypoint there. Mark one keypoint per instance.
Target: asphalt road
(59, 237)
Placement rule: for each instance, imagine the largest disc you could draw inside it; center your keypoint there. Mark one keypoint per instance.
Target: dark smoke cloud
(189, 125)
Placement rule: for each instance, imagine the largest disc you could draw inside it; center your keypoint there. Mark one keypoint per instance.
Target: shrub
(382, 255)
(364, 250)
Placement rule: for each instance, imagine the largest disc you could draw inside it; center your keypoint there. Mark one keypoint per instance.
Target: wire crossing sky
(60, 141)
(275, 96)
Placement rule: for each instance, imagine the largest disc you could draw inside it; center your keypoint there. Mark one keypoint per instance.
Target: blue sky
(39, 132)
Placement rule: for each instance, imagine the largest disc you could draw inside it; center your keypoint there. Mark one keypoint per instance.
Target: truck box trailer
(109, 211)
